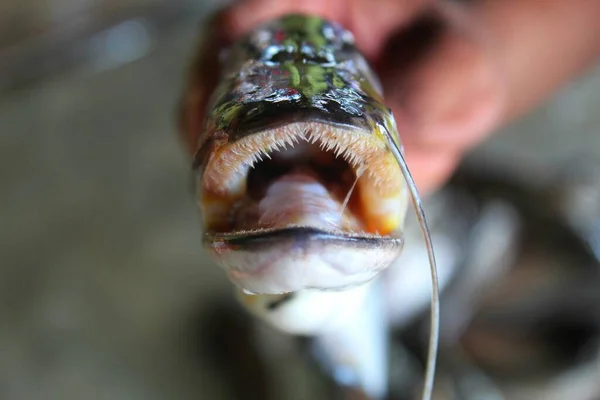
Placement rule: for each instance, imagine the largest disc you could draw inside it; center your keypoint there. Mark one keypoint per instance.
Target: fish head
(297, 186)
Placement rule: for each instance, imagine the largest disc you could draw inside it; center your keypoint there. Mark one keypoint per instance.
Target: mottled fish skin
(295, 69)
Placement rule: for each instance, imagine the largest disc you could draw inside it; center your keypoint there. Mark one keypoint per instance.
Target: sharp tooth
(252, 161)
(352, 159)
(338, 150)
(346, 155)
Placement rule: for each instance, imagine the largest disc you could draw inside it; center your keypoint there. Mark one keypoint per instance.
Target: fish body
(297, 187)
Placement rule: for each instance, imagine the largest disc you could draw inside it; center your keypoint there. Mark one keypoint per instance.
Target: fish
(300, 180)
(296, 186)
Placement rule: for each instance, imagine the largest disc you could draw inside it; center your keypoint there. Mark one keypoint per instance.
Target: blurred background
(105, 292)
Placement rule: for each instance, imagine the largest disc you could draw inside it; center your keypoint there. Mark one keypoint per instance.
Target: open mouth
(301, 186)
(306, 205)
(310, 175)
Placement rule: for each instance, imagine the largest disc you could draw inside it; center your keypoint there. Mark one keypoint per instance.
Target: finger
(246, 15)
(541, 45)
(430, 169)
(372, 22)
(369, 21)
(442, 84)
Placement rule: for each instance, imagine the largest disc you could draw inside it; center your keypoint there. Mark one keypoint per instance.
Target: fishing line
(435, 295)
(359, 173)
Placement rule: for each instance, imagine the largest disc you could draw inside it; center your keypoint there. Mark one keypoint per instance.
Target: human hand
(450, 73)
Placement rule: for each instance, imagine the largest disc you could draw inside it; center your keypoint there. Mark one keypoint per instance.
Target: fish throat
(304, 186)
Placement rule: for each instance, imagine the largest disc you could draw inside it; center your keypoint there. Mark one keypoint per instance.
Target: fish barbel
(297, 187)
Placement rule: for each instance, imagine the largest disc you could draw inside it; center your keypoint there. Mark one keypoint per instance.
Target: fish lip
(299, 236)
(275, 261)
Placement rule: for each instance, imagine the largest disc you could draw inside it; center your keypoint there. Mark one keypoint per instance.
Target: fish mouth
(303, 206)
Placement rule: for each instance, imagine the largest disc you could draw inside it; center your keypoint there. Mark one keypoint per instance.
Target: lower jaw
(300, 258)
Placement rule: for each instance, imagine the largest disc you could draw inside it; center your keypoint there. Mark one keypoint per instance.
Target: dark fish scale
(295, 69)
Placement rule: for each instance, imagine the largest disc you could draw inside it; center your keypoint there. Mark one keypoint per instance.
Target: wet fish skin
(296, 68)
